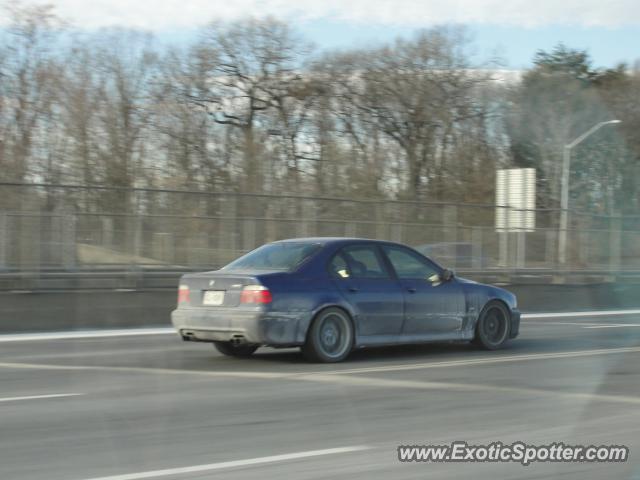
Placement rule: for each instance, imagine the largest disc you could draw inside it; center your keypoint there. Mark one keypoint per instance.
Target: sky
(512, 29)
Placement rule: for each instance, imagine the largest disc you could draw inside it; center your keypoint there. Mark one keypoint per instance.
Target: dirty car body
(390, 293)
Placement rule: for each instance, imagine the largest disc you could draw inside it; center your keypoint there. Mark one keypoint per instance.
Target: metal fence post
(137, 245)
(107, 232)
(503, 239)
(396, 231)
(301, 222)
(314, 214)
(4, 240)
(450, 223)
(521, 257)
(197, 251)
(248, 234)
(349, 229)
(69, 242)
(30, 246)
(163, 246)
(382, 230)
(232, 232)
(615, 243)
(476, 248)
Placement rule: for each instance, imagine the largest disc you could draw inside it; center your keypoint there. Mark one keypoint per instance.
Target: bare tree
(248, 108)
(254, 63)
(79, 101)
(416, 93)
(556, 102)
(126, 64)
(619, 88)
(26, 84)
(185, 132)
(295, 106)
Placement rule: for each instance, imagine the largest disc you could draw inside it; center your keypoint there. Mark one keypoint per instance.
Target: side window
(364, 262)
(358, 261)
(408, 264)
(338, 267)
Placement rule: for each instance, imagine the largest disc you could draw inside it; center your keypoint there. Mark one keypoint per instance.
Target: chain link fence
(71, 227)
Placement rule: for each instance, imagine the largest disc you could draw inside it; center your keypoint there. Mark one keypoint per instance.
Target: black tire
(493, 326)
(330, 337)
(231, 350)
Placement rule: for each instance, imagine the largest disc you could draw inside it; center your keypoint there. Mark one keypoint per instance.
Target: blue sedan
(331, 295)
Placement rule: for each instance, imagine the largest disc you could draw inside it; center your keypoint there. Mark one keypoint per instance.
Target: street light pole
(564, 188)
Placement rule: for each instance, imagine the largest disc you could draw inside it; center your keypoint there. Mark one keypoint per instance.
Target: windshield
(275, 256)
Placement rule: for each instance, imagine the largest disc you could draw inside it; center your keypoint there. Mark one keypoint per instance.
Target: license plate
(213, 297)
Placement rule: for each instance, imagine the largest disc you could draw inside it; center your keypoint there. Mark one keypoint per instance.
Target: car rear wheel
(330, 337)
(235, 350)
(493, 326)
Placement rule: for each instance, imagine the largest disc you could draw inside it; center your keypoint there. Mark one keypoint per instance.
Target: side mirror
(447, 275)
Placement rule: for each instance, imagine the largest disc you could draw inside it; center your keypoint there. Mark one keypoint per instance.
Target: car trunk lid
(213, 289)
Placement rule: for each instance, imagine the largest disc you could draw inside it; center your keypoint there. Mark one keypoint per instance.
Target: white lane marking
(579, 324)
(584, 324)
(38, 397)
(97, 353)
(125, 332)
(235, 463)
(594, 313)
(616, 325)
(169, 371)
(471, 387)
(488, 360)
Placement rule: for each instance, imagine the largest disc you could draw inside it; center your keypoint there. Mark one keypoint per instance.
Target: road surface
(151, 406)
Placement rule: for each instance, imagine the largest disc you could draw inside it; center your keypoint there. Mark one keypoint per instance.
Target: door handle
(411, 290)
(353, 289)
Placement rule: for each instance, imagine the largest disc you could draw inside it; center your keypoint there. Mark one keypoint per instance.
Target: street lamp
(564, 198)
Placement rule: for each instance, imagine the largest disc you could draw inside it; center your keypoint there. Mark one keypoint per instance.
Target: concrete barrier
(54, 310)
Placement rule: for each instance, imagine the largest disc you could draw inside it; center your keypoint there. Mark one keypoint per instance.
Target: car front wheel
(493, 326)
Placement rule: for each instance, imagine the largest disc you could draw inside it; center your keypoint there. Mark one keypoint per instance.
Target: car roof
(329, 240)
(324, 241)
(336, 241)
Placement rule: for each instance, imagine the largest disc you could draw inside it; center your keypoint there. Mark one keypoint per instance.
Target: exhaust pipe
(238, 340)
(188, 336)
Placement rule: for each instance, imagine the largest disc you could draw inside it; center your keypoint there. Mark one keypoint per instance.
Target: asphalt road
(155, 407)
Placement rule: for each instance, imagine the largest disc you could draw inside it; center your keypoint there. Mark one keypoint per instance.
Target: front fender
(477, 295)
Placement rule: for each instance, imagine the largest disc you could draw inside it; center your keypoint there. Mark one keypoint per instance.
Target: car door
(430, 307)
(361, 274)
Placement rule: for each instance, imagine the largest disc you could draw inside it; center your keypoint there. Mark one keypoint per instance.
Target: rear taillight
(183, 294)
(255, 294)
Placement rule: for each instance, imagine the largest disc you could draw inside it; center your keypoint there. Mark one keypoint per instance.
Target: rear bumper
(515, 323)
(251, 326)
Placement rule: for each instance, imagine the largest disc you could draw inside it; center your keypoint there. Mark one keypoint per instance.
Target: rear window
(275, 256)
